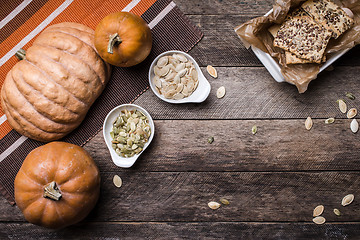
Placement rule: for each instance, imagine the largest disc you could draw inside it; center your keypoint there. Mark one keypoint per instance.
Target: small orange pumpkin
(123, 39)
(57, 185)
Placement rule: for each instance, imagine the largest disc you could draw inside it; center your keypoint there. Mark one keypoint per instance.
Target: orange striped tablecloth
(22, 21)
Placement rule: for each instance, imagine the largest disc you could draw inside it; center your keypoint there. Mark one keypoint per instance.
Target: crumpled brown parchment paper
(255, 33)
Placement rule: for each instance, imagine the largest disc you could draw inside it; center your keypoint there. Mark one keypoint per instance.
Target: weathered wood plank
(228, 7)
(253, 196)
(279, 145)
(176, 230)
(251, 93)
(221, 46)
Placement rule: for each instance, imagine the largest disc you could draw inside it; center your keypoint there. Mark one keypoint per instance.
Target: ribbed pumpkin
(57, 185)
(123, 39)
(47, 95)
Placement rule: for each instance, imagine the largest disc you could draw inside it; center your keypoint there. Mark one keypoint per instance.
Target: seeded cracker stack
(306, 32)
(330, 15)
(303, 37)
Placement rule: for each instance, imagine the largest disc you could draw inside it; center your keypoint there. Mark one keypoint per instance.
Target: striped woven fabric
(22, 20)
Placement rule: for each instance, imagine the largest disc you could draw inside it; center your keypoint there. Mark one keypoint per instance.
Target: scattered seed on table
(342, 105)
(214, 205)
(350, 96)
(329, 120)
(117, 181)
(354, 126)
(337, 212)
(224, 201)
(254, 129)
(318, 211)
(351, 113)
(308, 123)
(348, 199)
(220, 93)
(212, 71)
(210, 140)
(319, 220)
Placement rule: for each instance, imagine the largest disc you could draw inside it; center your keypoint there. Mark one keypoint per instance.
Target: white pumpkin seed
(354, 126)
(178, 96)
(224, 201)
(212, 71)
(308, 123)
(165, 71)
(348, 199)
(163, 61)
(342, 105)
(182, 73)
(117, 181)
(351, 113)
(337, 212)
(214, 205)
(180, 57)
(157, 71)
(319, 220)
(194, 74)
(170, 76)
(329, 120)
(179, 88)
(220, 93)
(157, 82)
(169, 94)
(318, 210)
(180, 67)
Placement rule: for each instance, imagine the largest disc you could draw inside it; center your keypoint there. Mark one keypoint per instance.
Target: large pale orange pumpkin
(48, 93)
(57, 185)
(123, 39)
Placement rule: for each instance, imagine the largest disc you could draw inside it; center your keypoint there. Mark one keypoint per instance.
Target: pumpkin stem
(113, 39)
(20, 54)
(52, 191)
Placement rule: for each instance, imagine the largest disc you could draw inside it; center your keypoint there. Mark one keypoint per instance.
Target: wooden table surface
(273, 179)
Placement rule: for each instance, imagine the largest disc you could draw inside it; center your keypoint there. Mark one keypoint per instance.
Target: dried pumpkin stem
(52, 191)
(20, 54)
(113, 40)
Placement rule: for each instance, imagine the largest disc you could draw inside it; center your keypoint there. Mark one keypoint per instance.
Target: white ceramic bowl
(201, 92)
(107, 127)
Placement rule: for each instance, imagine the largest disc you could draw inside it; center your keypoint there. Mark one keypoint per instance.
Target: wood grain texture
(251, 93)
(279, 145)
(228, 7)
(175, 230)
(273, 179)
(253, 196)
(221, 46)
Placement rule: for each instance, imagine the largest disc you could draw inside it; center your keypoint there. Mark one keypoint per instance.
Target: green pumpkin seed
(224, 201)
(350, 96)
(337, 212)
(210, 140)
(329, 120)
(254, 130)
(130, 132)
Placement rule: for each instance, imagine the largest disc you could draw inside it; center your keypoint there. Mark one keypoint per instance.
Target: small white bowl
(107, 127)
(198, 96)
